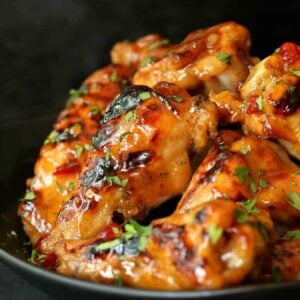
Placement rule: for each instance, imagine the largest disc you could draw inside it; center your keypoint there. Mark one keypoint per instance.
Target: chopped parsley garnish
(114, 76)
(52, 137)
(245, 150)
(249, 206)
(131, 116)
(78, 150)
(292, 234)
(262, 183)
(95, 110)
(118, 281)
(291, 90)
(29, 196)
(116, 180)
(225, 57)
(252, 185)
(262, 229)
(276, 275)
(76, 94)
(71, 186)
(132, 230)
(122, 136)
(294, 199)
(145, 95)
(36, 258)
(159, 43)
(215, 233)
(177, 99)
(241, 173)
(147, 61)
(259, 102)
(240, 216)
(295, 72)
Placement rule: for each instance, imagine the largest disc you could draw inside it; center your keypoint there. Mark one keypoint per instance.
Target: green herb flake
(122, 136)
(241, 173)
(95, 110)
(291, 90)
(131, 116)
(294, 199)
(52, 137)
(177, 99)
(71, 186)
(262, 229)
(145, 95)
(225, 57)
(147, 61)
(240, 216)
(118, 281)
(116, 180)
(245, 150)
(262, 183)
(252, 185)
(276, 275)
(79, 92)
(159, 43)
(116, 230)
(295, 72)
(292, 235)
(108, 245)
(215, 233)
(78, 150)
(226, 196)
(114, 76)
(259, 102)
(249, 206)
(29, 196)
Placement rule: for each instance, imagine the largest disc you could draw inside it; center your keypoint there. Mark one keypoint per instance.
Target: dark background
(50, 46)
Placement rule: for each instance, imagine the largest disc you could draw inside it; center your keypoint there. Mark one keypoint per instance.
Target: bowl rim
(17, 263)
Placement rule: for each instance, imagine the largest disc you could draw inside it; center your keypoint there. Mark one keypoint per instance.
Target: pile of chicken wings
(201, 120)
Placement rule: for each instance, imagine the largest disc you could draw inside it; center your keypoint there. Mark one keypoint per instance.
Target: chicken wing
(141, 158)
(271, 95)
(216, 57)
(65, 150)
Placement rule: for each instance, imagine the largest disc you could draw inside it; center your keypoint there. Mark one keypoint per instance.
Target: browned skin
(181, 253)
(142, 52)
(272, 80)
(152, 152)
(194, 62)
(81, 119)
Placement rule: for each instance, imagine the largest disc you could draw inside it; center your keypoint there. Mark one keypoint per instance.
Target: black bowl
(19, 147)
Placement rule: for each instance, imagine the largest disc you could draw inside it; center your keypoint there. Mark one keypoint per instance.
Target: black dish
(19, 147)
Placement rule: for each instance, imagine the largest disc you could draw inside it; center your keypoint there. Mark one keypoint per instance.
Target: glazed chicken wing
(210, 241)
(271, 94)
(141, 158)
(65, 150)
(216, 57)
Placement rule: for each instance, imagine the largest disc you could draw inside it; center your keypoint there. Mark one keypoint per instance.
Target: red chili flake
(110, 232)
(73, 166)
(289, 52)
(252, 107)
(49, 262)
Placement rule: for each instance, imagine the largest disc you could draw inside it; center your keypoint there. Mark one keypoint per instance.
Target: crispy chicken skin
(183, 251)
(141, 158)
(65, 150)
(271, 93)
(142, 52)
(216, 57)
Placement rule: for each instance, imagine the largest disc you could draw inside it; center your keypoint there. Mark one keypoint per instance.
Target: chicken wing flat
(216, 57)
(141, 157)
(65, 150)
(271, 94)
